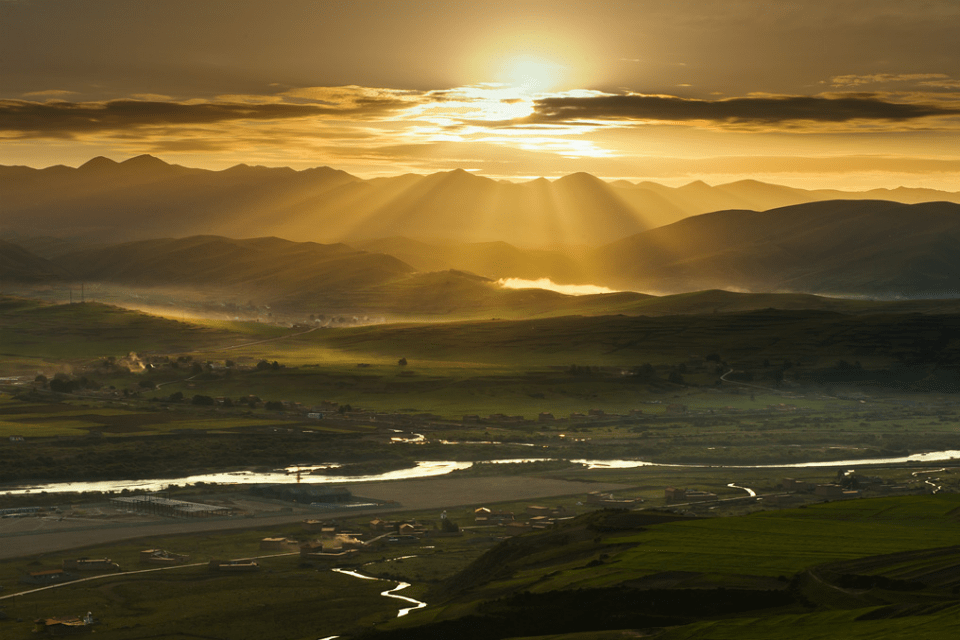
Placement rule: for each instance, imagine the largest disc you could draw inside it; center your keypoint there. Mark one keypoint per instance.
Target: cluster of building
(158, 505)
(55, 576)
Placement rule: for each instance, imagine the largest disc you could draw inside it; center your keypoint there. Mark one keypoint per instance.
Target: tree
(402, 362)
(62, 383)
(449, 526)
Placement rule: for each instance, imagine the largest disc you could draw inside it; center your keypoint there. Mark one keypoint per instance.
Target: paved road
(408, 495)
(129, 573)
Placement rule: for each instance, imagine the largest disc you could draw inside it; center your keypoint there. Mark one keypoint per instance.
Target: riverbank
(408, 495)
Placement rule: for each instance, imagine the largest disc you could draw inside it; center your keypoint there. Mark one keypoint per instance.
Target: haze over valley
(490, 321)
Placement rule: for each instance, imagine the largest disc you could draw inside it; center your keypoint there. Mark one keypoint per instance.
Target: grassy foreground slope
(855, 564)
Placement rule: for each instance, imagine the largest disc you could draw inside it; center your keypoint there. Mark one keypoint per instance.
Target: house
(276, 544)
(600, 499)
(314, 551)
(159, 556)
(91, 564)
(384, 525)
(310, 547)
(484, 515)
(828, 491)
(545, 417)
(673, 494)
(541, 522)
(792, 484)
(234, 566)
(64, 625)
(516, 528)
(50, 576)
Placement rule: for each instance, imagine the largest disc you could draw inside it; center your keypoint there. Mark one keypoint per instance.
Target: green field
(797, 559)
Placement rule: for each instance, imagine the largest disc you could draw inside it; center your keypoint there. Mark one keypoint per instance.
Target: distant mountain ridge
(144, 197)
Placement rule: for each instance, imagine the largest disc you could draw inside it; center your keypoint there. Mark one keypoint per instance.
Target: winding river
(389, 593)
(429, 468)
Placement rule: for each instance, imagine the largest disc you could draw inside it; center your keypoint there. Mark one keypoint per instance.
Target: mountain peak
(97, 164)
(580, 178)
(144, 161)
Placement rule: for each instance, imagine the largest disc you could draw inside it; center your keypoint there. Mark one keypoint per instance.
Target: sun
(530, 73)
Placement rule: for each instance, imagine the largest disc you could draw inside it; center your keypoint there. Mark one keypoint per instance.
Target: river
(389, 593)
(428, 468)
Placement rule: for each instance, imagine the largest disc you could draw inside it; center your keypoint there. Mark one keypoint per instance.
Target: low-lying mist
(550, 285)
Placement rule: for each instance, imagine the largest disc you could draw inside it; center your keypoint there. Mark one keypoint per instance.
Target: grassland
(728, 577)
(754, 387)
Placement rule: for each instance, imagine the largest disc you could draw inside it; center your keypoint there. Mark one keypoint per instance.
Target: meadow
(796, 560)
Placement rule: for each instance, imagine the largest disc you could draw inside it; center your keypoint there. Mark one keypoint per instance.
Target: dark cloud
(67, 119)
(758, 110)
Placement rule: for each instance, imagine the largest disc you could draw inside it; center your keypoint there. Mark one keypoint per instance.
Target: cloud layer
(761, 110)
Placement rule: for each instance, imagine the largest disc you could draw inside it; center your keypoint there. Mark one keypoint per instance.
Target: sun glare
(531, 74)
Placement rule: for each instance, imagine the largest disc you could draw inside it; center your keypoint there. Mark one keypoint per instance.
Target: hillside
(874, 569)
(18, 264)
(871, 248)
(249, 278)
(144, 197)
(245, 265)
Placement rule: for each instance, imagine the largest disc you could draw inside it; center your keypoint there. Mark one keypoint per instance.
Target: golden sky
(841, 93)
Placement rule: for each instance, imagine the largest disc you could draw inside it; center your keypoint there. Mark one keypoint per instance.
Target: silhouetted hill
(18, 264)
(144, 197)
(836, 247)
(307, 277)
(266, 265)
(491, 259)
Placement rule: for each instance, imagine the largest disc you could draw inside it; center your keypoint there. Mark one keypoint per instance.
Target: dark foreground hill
(869, 248)
(881, 568)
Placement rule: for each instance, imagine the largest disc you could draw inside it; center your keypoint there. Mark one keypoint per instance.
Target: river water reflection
(425, 469)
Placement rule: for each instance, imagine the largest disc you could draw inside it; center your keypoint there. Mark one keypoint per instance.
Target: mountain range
(872, 249)
(144, 197)
(437, 245)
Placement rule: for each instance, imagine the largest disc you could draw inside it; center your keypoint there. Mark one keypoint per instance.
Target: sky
(849, 94)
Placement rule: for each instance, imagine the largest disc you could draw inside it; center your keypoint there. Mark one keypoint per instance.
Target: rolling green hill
(784, 574)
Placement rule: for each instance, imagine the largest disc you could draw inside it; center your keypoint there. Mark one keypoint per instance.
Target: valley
(675, 458)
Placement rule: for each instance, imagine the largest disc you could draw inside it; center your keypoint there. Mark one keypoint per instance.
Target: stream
(389, 593)
(750, 492)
